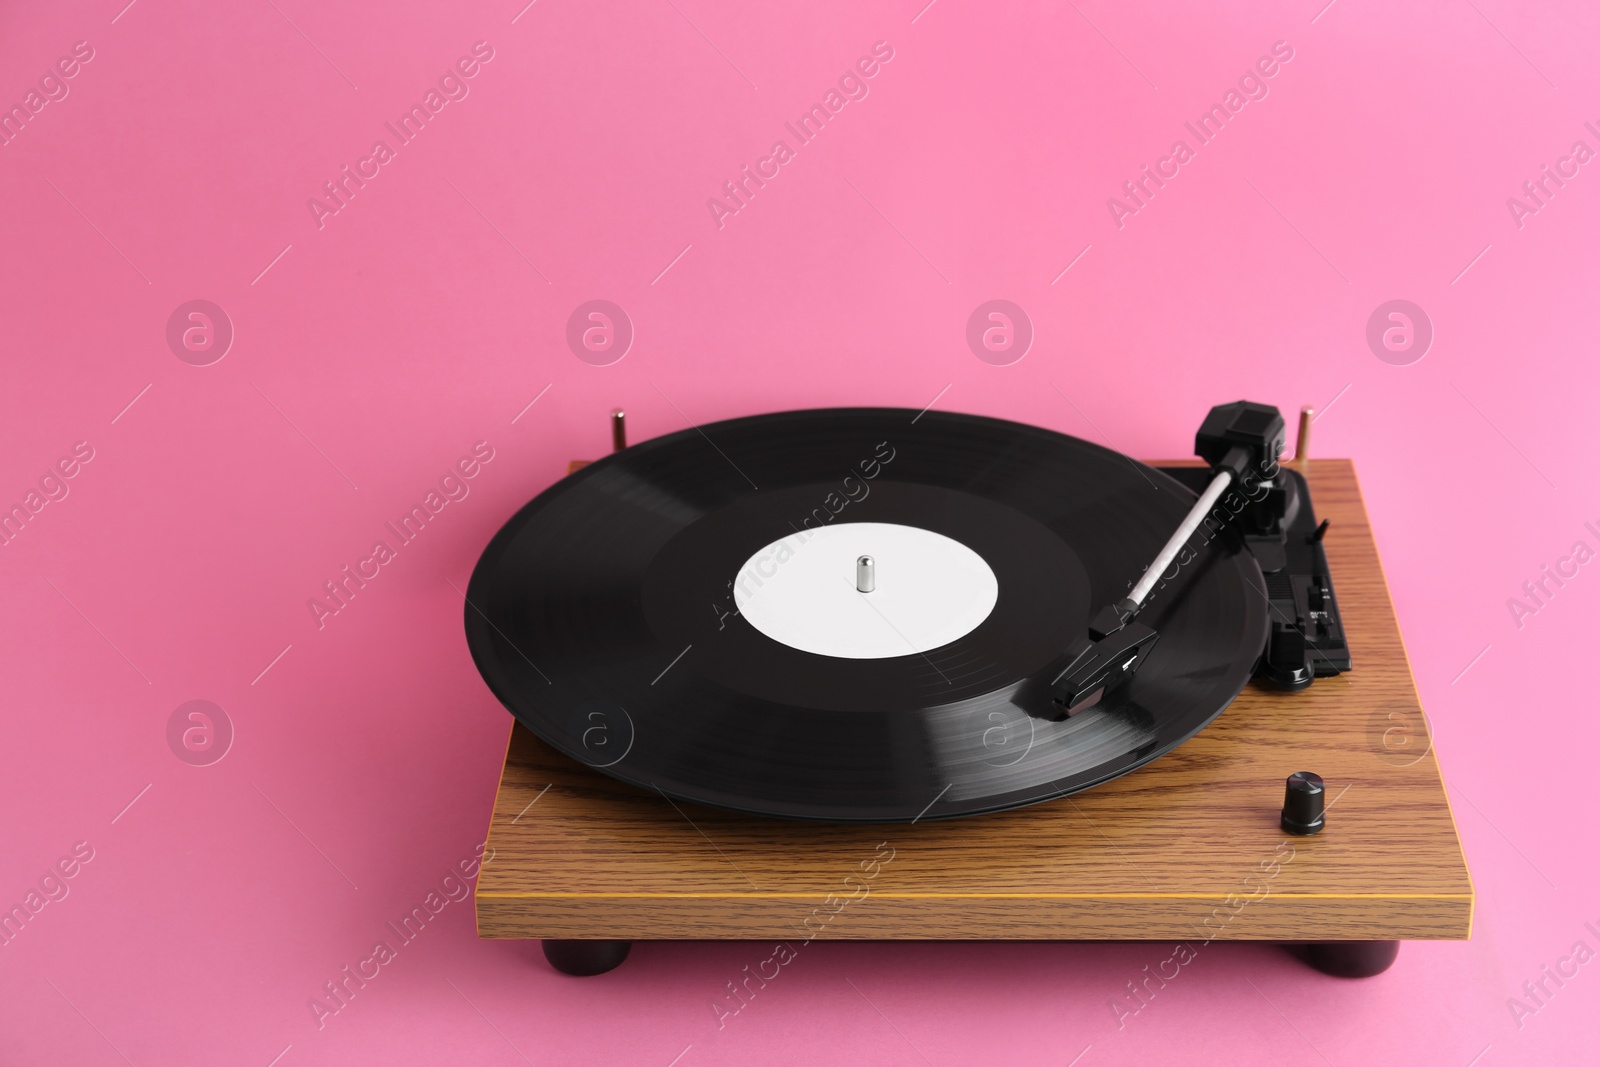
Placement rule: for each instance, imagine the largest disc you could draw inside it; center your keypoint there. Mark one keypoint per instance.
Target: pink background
(425, 315)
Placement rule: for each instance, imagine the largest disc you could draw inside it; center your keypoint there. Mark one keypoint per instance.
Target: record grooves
(601, 616)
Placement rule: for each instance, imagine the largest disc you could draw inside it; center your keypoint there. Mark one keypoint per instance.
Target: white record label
(928, 591)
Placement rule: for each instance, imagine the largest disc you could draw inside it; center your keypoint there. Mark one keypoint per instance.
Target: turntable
(882, 674)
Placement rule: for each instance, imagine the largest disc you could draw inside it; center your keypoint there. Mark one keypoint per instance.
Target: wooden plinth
(1187, 846)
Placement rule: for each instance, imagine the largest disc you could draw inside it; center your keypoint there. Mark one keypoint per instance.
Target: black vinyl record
(602, 616)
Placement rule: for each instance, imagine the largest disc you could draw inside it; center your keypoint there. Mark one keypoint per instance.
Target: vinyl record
(683, 615)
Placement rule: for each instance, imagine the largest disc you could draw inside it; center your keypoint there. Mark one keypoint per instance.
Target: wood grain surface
(1187, 846)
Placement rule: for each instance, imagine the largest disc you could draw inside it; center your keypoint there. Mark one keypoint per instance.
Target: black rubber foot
(1352, 959)
(583, 958)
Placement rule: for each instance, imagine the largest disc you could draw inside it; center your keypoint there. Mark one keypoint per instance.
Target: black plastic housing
(1307, 639)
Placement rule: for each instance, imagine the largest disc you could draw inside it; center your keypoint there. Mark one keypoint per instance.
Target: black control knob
(1304, 800)
(1287, 663)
